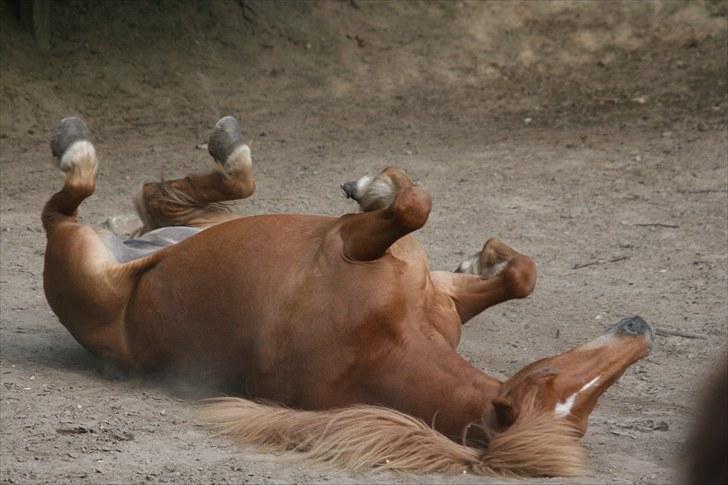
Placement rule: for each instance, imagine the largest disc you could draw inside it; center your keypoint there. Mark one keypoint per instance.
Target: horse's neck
(437, 385)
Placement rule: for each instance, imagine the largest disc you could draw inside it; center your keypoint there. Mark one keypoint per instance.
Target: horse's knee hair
(520, 276)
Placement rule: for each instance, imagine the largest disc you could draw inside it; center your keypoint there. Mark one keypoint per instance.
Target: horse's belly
(269, 306)
(205, 306)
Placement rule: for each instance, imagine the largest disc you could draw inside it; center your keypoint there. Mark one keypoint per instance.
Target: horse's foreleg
(396, 208)
(494, 275)
(569, 384)
(196, 200)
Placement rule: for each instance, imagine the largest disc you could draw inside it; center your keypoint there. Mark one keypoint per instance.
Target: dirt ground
(591, 136)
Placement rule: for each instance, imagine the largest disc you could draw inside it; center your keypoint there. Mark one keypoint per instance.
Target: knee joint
(412, 208)
(520, 276)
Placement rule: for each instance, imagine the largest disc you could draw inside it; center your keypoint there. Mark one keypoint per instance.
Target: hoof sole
(66, 133)
(225, 138)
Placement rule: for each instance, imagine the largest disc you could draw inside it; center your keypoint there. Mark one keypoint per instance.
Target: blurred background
(188, 62)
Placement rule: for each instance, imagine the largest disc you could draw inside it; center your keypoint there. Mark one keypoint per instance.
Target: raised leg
(76, 157)
(393, 207)
(83, 283)
(491, 276)
(198, 200)
(569, 384)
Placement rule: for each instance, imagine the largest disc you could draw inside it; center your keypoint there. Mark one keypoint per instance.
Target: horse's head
(570, 383)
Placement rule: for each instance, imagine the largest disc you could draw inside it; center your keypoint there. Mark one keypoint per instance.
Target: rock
(122, 224)
(661, 426)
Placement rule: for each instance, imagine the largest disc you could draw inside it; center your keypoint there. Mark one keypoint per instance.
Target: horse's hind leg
(76, 157)
(83, 284)
(494, 275)
(393, 207)
(196, 200)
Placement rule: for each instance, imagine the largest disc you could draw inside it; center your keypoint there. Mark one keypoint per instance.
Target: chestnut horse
(337, 318)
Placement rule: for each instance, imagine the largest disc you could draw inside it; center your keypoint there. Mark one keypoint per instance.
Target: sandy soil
(591, 136)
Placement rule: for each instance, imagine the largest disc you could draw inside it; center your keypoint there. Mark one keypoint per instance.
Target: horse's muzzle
(634, 326)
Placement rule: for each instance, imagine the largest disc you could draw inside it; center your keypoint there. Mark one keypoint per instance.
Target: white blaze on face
(563, 409)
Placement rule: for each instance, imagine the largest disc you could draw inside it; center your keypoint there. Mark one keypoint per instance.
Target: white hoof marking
(78, 152)
(239, 160)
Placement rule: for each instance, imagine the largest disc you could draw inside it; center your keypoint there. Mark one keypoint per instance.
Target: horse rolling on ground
(337, 318)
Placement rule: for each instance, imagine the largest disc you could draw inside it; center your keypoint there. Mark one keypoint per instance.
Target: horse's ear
(505, 412)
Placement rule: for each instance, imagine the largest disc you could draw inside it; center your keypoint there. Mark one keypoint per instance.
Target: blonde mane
(361, 438)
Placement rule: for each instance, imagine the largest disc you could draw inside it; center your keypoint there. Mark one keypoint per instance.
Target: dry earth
(591, 136)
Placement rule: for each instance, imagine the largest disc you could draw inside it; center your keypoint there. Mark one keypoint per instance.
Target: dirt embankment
(181, 63)
(590, 135)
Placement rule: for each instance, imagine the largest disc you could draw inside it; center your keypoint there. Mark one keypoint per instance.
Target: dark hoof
(66, 133)
(349, 189)
(225, 138)
(633, 327)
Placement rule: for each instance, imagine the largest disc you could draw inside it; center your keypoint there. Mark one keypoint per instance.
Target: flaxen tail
(361, 438)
